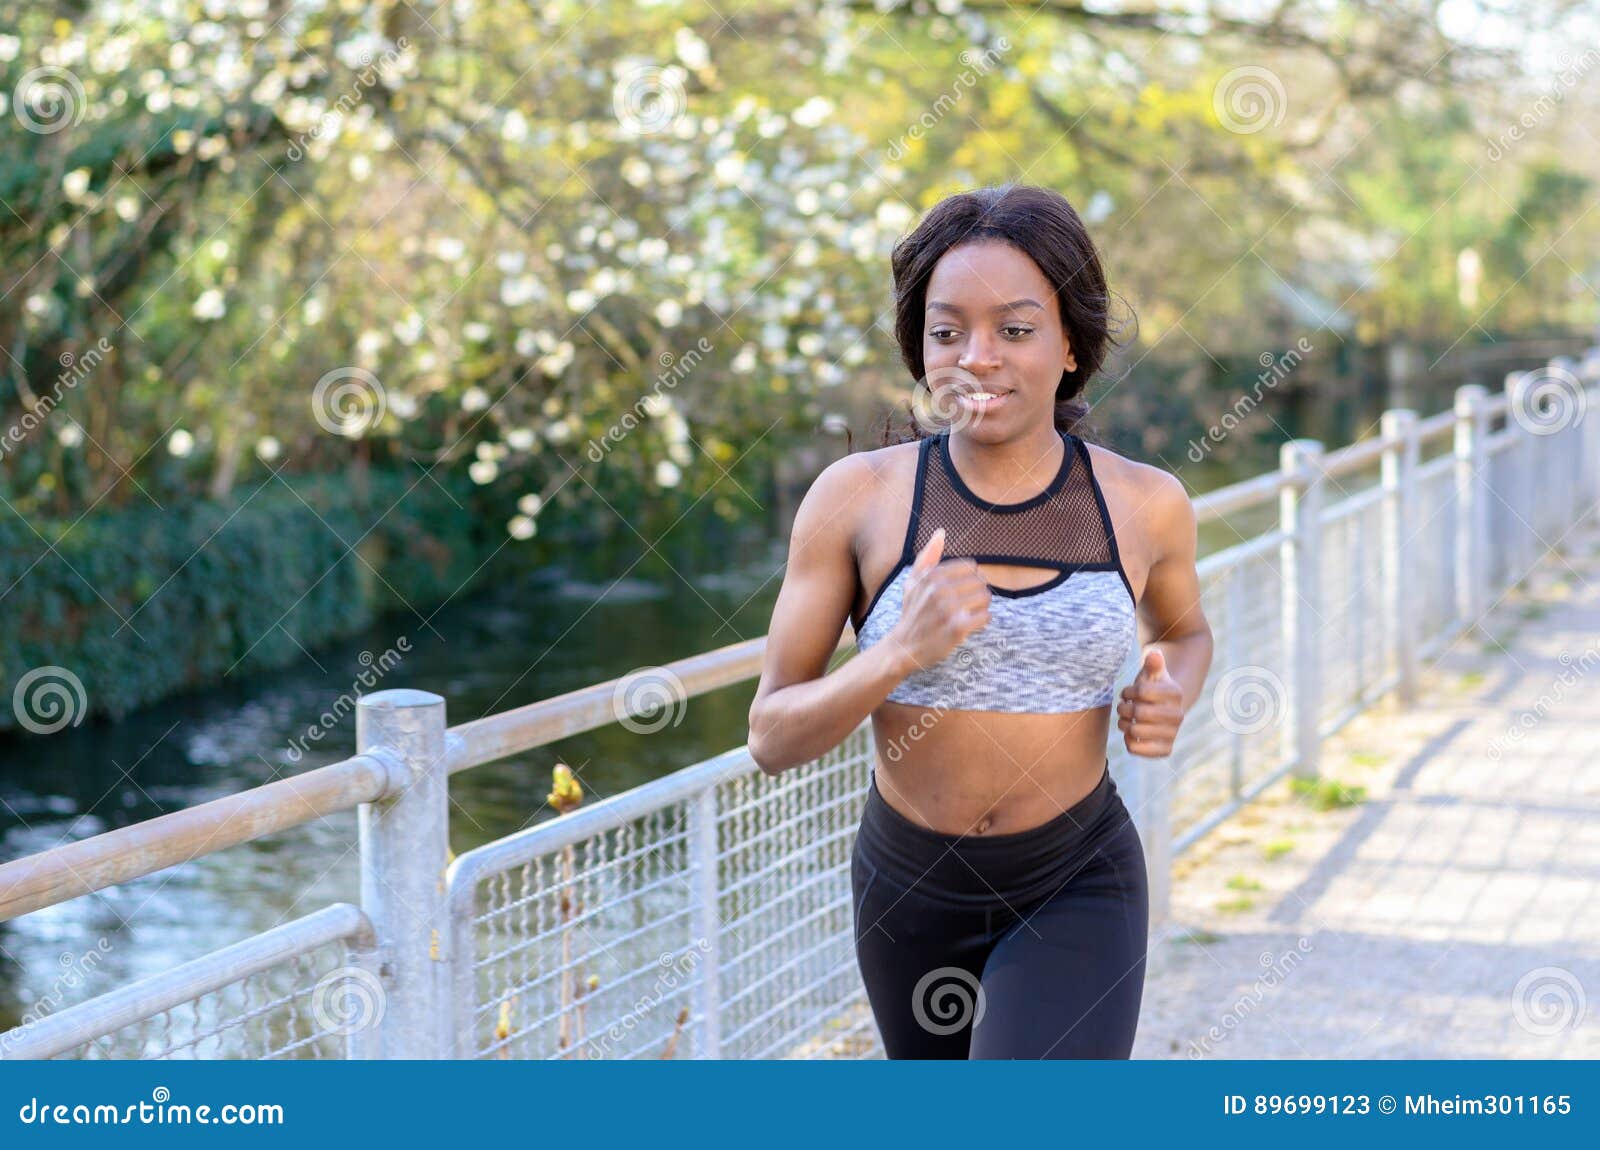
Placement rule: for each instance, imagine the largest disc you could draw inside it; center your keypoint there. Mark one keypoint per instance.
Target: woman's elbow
(758, 743)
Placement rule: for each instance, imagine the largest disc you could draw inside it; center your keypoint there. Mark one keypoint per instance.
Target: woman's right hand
(943, 604)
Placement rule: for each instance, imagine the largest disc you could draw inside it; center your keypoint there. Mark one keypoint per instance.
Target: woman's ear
(1071, 361)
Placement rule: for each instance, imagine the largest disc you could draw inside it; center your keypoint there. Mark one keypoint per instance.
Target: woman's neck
(999, 471)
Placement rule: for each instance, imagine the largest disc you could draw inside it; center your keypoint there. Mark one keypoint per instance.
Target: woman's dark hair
(1043, 226)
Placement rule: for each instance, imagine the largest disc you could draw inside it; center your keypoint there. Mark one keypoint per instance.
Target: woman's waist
(979, 859)
(1015, 771)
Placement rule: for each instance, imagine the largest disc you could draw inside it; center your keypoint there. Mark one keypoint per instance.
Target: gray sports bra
(1052, 648)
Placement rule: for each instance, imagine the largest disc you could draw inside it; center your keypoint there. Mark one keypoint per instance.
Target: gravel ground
(1455, 911)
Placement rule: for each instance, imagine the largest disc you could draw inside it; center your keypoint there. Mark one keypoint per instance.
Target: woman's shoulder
(867, 471)
(1156, 493)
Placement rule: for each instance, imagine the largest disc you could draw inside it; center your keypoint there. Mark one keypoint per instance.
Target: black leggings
(1026, 945)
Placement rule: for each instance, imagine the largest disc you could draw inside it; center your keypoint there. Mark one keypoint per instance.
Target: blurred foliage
(140, 603)
(621, 259)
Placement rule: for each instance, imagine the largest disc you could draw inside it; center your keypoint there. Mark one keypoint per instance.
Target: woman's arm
(1177, 638)
(799, 712)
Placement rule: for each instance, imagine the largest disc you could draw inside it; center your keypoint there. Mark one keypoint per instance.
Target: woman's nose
(979, 353)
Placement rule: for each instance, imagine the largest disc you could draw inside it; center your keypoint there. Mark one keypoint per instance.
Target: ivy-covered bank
(138, 602)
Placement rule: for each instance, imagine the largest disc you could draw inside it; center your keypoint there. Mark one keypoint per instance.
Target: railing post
(1300, 518)
(1516, 465)
(1399, 513)
(1233, 611)
(1472, 518)
(404, 850)
(706, 922)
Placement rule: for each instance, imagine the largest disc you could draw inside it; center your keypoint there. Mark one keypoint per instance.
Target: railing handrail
(84, 1022)
(34, 882)
(74, 869)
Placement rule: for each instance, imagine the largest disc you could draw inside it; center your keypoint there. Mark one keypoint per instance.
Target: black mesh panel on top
(1062, 527)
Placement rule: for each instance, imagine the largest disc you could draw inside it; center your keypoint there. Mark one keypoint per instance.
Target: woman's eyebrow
(941, 305)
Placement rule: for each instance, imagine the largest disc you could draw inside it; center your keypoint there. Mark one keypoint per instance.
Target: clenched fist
(1151, 709)
(943, 604)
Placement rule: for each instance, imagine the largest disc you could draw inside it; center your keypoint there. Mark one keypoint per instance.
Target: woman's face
(993, 346)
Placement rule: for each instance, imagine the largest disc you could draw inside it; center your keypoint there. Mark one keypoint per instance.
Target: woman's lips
(982, 399)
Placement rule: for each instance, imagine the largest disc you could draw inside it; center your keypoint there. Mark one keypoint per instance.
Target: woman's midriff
(985, 772)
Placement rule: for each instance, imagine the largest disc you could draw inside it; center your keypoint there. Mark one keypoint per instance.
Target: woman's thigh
(1066, 981)
(921, 961)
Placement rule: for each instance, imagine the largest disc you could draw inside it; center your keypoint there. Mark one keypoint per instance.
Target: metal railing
(708, 914)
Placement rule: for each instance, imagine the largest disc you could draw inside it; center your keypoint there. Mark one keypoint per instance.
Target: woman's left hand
(1151, 709)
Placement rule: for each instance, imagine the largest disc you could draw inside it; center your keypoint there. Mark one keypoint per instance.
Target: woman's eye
(942, 332)
(1020, 331)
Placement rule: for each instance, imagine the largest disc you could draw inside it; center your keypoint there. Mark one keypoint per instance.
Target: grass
(1535, 610)
(1243, 882)
(1277, 848)
(1470, 681)
(1327, 794)
(1236, 905)
(1368, 758)
(1199, 937)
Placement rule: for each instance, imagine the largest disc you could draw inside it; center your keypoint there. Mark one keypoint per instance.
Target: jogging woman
(998, 571)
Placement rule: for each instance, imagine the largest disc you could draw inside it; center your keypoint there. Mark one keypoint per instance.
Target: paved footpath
(1455, 913)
